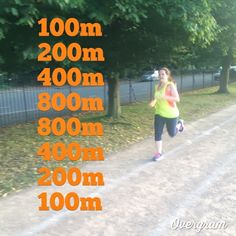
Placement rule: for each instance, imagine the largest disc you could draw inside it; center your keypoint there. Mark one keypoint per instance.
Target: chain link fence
(18, 102)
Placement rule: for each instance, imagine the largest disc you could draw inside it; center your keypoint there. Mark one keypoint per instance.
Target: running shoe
(157, 156)
(180, 125)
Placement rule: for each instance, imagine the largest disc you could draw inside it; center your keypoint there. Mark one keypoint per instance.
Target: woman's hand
(152, 103)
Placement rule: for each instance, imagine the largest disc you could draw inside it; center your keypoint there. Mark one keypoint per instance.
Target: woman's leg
(171, 126)
(159, 123)
(159, 147)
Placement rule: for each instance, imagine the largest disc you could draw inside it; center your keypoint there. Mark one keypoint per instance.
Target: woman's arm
(153, 103)
(173, 95)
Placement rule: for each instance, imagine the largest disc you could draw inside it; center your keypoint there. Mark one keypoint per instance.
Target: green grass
(200, 103)
(19, 143)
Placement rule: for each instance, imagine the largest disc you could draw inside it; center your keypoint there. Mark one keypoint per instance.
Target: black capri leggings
(159, 124)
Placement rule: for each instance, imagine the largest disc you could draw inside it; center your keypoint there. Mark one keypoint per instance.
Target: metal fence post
(193, 80)
(70, 91)
(25, 103)
(104, 95)
(212, 78)
(203, 79)
(130, 91)
(151, 89)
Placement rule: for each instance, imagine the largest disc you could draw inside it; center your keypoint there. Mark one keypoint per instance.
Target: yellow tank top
(163, 107)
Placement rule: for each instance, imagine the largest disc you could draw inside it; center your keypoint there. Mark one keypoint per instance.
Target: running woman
(166, 111)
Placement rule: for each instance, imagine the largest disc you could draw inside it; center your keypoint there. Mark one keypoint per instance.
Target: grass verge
(19, 143)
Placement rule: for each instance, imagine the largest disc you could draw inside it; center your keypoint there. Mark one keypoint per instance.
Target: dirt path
(193, 188)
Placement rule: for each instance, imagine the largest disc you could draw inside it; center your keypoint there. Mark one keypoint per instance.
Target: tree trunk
(114, 108)
(224, 79)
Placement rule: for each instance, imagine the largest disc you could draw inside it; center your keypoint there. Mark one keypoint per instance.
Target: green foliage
(194, 17)
(137, 33)
(226, 18)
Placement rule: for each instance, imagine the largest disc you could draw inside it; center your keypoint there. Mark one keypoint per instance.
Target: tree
(157, 33)
(19, 30)
(226, 39)
(137, 33)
